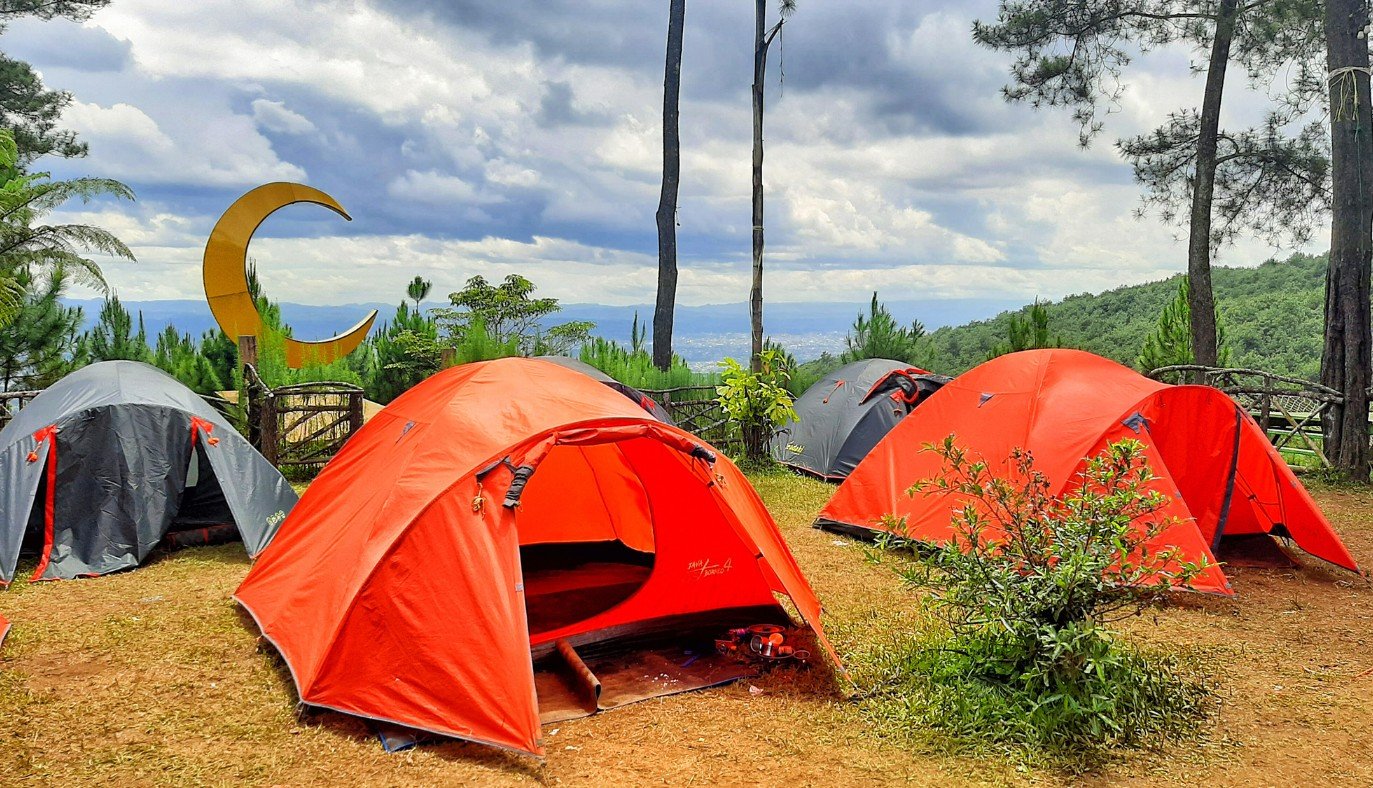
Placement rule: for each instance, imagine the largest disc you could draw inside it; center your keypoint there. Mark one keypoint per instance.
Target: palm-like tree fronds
(46, 249)
(11, 299)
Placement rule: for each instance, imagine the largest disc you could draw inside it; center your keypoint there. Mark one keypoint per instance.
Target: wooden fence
(696, 409)
(11, 402)
(301, 427)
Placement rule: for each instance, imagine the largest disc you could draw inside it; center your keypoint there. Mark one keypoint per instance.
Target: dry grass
(153, 677)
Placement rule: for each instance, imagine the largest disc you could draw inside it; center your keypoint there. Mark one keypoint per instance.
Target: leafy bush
(1027, 588)
(758, 403)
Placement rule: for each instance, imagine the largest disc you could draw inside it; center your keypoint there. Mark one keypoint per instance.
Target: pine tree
(390, 372)
(1028, 332)
(221, 353)
(878, 335)
(36, 349)
(177, 355)
(1171, 342)
(113, 336)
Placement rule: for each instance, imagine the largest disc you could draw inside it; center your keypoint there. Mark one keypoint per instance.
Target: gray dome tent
(119, 457)
(843, 416)
(641, 399)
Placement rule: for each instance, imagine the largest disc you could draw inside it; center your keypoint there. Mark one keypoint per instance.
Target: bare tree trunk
(1201, 301)
(1345, 360)
(755, 298)
(667, 200)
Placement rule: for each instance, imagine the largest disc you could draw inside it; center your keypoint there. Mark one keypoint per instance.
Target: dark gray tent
(643, 400)
(843, 416)
(119, 457)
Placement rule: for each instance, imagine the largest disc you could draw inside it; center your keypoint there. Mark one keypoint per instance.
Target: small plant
(758, 402)
(1027, 588)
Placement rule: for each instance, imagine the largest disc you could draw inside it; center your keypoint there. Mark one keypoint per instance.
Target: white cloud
(221, 150)
(274, 116)
(438, 189)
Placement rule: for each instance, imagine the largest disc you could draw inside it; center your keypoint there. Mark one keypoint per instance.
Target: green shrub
(1026, 590)
(756, 403)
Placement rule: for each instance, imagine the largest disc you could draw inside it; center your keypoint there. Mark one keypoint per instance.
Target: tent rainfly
(118, 458)
(846, 413)
(505, 531)
(1223, 476)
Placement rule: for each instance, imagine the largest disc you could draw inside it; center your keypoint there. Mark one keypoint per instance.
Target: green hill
(1272, 316)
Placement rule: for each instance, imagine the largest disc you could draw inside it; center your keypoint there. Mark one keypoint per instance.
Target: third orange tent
(1222, 474)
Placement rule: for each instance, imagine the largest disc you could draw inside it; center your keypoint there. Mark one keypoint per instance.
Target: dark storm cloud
(597, 32)
(823, 46)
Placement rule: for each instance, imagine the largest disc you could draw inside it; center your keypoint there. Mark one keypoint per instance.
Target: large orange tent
(1223, 476)
(503, 511)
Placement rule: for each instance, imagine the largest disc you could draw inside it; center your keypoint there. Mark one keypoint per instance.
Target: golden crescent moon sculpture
(226, 273)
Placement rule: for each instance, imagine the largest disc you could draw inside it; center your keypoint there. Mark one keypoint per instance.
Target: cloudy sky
(488, 137)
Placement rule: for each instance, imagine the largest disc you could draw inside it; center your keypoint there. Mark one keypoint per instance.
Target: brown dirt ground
(152, 677)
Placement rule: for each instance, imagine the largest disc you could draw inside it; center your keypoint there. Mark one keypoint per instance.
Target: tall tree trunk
(667, 200)
(1201, 301)
(755, 297)
(1346, 358)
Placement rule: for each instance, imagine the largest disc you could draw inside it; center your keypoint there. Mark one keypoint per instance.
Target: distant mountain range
(1271, 315)
(703, 334)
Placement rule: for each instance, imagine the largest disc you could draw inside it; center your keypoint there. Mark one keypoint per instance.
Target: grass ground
(153, 677)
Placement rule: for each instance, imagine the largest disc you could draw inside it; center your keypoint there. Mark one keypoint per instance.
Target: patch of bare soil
(154, 677)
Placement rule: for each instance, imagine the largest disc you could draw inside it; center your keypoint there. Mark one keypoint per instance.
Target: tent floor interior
(618, 680)
(599, 671)
(1255, 551)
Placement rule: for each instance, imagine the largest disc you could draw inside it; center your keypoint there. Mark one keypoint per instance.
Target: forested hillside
(1271, 316)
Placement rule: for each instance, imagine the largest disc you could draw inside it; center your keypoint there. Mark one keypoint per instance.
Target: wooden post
(252, 407)
(447, 357)
(267, 426)
(247, 351)
(1266, 415)
(354, 412)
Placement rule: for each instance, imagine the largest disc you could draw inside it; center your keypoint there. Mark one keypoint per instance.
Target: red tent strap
(198, 424)
(48, 434)
(837, 385)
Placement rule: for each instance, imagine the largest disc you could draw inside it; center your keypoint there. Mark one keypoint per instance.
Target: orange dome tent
(1223, 475)
(500, 514)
